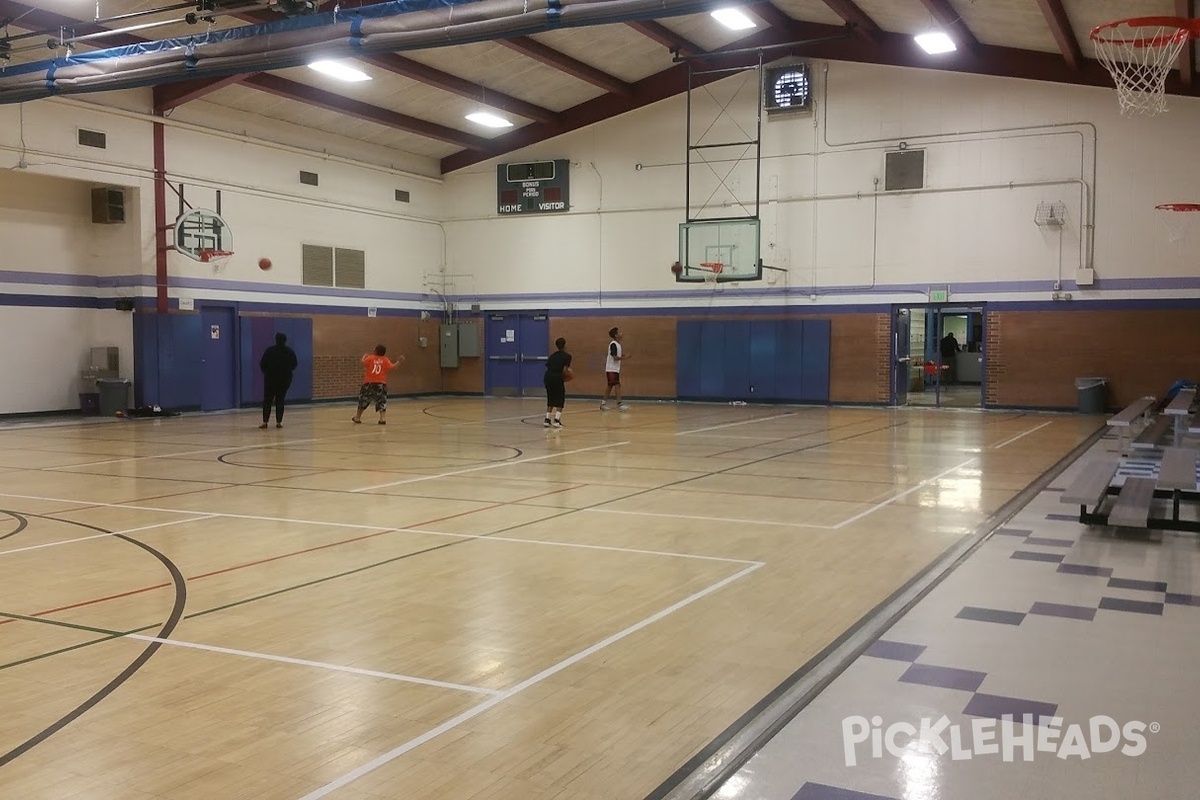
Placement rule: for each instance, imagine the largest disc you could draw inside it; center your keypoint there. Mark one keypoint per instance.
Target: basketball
(677, 269)
(568, 376)
(264, 263)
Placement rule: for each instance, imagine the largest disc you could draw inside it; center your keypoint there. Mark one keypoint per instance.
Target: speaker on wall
(108, 205)
(124, 304)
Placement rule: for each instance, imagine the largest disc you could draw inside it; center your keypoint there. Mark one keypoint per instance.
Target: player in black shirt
(558, 372)
(277, 365)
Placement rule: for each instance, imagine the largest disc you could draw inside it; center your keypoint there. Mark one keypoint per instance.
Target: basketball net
(1139, 53)
(712, 271)
(1178, 217)
(217, 259)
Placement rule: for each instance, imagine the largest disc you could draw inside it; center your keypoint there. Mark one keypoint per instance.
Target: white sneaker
(558, 423)
(623, 407)
(603, 406)
(545, 423)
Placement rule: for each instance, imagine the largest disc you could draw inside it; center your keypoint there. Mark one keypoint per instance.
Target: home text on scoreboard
(536, 187)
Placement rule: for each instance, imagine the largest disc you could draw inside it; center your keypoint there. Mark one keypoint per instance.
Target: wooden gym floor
(459, 605)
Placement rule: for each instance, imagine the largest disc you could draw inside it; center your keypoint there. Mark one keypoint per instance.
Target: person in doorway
(612, 370)
(374, 386)
(949, 348)
(278, 363)
(558, 372)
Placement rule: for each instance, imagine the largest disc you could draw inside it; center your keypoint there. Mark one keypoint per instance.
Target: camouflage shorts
(373, 393)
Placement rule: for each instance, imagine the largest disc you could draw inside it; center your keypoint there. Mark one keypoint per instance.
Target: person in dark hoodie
(277, 365)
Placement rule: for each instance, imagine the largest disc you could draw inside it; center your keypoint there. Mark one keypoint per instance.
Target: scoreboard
(536, 187)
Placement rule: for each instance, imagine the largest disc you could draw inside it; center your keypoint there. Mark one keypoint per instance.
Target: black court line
(22, 523)
(164, 632)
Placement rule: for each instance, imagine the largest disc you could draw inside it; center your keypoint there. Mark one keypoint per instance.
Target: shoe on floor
(278, 424)
(262, 427)
(623, 407)
(356, 421)
(383, 422)
(545, 423)
(558, 423)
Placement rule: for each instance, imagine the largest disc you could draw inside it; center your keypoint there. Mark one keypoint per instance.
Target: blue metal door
(502, 375)
(533, 341)
(764, 349)
(218, 358)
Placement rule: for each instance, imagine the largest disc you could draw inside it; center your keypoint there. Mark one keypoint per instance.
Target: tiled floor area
(1071, 625)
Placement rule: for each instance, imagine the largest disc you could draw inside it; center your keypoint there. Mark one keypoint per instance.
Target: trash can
(1093, 395)
(114, 396)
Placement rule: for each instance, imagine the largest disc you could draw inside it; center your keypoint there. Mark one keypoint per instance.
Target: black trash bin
(1093, 395)
(114, 396)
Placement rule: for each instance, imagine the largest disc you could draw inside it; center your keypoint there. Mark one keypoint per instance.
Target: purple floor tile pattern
(991, 615)
(964, 680)
(1029, 555)
(1062, 610)
(819, 791)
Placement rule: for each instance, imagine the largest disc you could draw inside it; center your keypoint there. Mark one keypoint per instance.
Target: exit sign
(939, 295)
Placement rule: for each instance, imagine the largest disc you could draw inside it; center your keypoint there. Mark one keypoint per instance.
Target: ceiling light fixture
(489, 120)
(733, 19)
(935, 42)
(336, 69)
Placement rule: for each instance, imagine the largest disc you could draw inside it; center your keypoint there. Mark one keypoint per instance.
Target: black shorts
(556, 392)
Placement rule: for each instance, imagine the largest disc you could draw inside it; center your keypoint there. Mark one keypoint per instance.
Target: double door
(517, 345)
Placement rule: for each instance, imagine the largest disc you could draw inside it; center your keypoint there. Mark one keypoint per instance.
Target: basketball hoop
(217, 259)
(712, 270)
(1178, 217)
(1138, 53)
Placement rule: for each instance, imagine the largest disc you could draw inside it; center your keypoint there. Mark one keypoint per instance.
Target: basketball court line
(318, 664)
(735, 424)
(102, 535)
(1007, 442)
(471, 713)
(487, 466)
(905, 493)
(225, 449)
(731, 520)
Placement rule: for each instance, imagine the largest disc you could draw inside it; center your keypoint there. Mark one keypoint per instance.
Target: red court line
(283, 556)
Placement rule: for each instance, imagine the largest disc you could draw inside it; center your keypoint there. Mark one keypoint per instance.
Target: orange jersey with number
(377, 368)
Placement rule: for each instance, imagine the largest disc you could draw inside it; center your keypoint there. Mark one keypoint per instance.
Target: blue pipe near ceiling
(381, 28)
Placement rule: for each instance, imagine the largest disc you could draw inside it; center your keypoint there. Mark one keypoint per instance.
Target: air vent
(309, 178)
(350, 268)
(316, 265)
(401, 196)
(904, 169)
(93, 139)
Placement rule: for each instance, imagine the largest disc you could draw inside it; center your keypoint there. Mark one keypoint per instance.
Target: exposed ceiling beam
(564, 63)
(856, 18)
(417, 71)
(173, 95)
(952, 23)
(1187, 57)
(36, 19)
(773, 16)
(666, 37)
(291, 90)
(1060, 26)
(893, 49)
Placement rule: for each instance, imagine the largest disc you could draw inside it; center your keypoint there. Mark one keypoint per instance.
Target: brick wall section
(1035, 356)
(340, 341)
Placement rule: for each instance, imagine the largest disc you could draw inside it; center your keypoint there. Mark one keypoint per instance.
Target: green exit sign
(939, 295)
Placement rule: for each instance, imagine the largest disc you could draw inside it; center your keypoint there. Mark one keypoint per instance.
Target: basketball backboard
(201, 230)
(731, 243)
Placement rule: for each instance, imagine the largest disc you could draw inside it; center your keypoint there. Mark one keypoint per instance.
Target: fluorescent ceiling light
(935, 42)
(336, 69)
(489, 120)
(733, 19)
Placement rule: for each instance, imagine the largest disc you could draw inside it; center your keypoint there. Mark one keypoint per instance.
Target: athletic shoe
(263, 426)
(278, 424)
(558, 423)
(623, 407)
(545, 423)
(604, 406)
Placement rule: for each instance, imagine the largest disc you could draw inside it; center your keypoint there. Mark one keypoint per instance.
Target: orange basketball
(264, 263)
(568, 376)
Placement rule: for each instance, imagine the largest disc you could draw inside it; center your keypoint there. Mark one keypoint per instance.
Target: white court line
(735, 424)
(905, 493)
(498, 419)
(471, 713)
(1020, 435)
(356, 526)
(495, 465)
(319, 664)
(708, 519)
(225, 449)
(103, 535)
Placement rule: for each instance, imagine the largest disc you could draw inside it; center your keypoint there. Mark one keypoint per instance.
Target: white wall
(42, 373)
(995, 148)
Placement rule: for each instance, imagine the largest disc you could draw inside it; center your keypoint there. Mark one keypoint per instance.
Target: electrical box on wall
(904, 169)
(468, 340)
(448, 345)
(108, 206)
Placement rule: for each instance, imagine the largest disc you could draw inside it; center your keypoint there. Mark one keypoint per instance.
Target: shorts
(373, 393)
(614, 378)
(556, 392)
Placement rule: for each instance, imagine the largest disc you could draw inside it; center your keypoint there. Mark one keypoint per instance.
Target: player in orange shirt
(374, 387)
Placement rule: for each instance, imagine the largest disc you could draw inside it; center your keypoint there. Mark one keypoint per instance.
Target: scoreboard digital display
(537, 187)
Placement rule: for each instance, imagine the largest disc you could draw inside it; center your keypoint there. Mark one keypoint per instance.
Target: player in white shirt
(612, 370)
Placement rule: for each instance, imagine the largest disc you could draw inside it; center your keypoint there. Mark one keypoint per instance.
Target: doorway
(517, 345)
(938, 356)
(218, 356)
